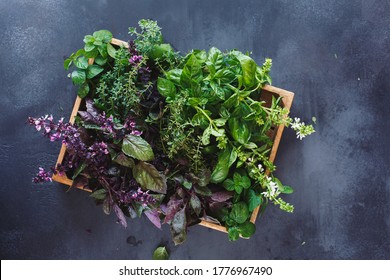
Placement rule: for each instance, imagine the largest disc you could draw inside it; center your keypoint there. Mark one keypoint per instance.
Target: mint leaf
(78, 77)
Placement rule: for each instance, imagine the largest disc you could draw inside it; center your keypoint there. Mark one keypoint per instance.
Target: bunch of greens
(179, 138)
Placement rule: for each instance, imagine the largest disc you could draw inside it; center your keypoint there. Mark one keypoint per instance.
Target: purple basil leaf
(91, 108)
(107, 206)
(153, 216)
(195, 204)
(80, 182)
(120, 215)
(85, 116)
(210, 219)
(164, 208)
(172, 208)
(204, 191)
(178, 227)
(124, 160)
(221, 196)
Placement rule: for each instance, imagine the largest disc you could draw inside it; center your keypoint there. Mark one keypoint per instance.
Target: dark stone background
(333, 54)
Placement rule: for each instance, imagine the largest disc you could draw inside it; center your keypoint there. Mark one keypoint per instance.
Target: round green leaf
(247, 229)
(78, 77)
(240, 212)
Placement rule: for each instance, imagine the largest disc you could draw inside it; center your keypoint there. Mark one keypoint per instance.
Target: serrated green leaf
(136, 147)
(89, 47)
(103, 35)
(149, 178)
(160, 254)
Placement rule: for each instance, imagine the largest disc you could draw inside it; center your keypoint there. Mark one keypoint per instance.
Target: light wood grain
(267, 92)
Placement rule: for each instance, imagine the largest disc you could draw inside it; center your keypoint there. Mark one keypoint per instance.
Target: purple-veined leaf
(154, 217)
(221, 196)
(172, 208)
(120, 215)
(178, 227)
(149, 178)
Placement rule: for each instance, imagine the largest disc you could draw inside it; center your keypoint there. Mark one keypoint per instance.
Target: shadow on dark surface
(334, 55)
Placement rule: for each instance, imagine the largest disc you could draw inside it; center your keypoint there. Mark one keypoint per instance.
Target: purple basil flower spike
(42, 176)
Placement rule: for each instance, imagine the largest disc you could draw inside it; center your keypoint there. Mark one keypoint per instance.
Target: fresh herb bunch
(178, 138)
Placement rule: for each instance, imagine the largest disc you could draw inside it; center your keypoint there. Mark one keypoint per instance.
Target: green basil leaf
(174, 75)
(111, 50)
(248, 66)
(93, 71)
(239, 130)
(149, 178)
(88, 39)
(233, 233)
(221, 170)
(136, 147)
(247, 229)
(253, 200)
(192, 72)
(166, 88)
(239, 212)
(78, 77)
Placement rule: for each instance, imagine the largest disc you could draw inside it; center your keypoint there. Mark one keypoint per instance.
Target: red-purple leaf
(172, 208)
(120, 215)
(153, 216)
(221, 196)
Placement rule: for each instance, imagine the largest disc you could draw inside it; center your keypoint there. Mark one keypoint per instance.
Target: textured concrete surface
(333, 54)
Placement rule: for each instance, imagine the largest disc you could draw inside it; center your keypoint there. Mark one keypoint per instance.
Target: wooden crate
(276, 133)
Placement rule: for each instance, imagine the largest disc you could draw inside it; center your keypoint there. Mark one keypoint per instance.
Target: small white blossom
(260, 167)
